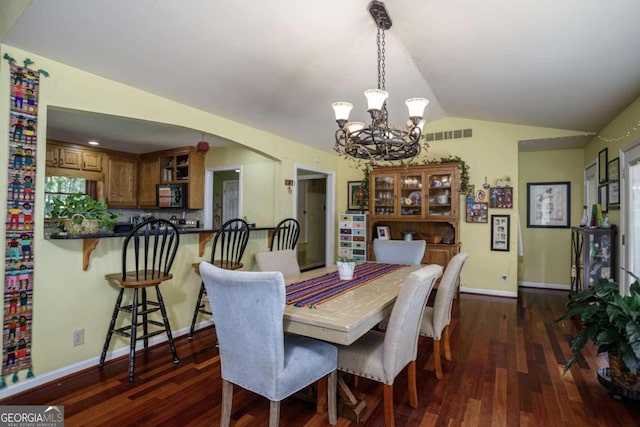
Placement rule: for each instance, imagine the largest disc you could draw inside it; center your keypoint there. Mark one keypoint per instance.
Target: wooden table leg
(349, 406)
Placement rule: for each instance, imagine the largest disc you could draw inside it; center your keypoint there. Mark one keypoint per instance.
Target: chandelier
(379, 140)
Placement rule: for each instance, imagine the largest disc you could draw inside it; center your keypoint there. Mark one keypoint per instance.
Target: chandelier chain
(380, 39)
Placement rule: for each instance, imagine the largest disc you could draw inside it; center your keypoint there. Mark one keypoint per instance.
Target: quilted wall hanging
(19, 251)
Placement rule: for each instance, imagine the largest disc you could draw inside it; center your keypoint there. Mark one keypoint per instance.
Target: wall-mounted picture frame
(613, 202)
(471, 190)
(383, 232)
(603, 197)
(500, 232)
(548, 204)
(613, 172)
(355, 196)
(501, 197)
(477, 212)
(603, 165)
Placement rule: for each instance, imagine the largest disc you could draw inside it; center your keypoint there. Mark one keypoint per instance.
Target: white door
(630, 204)
(230, 200)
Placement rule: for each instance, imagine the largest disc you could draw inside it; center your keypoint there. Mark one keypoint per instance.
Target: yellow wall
(546, 251)
(258, 181)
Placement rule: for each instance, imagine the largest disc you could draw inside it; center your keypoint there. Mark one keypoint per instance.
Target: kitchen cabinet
(122, 178)
(593, 256)
(71, 157)
(148, 178)
(422, 199)
(184, 165)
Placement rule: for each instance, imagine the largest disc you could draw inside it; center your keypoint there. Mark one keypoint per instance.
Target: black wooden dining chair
(148, 252)
(228, 247)
(285, 235)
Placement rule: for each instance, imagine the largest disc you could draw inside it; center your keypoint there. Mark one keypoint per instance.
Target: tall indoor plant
(612, 322)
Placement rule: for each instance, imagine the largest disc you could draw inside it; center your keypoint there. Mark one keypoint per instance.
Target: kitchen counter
(90, 241)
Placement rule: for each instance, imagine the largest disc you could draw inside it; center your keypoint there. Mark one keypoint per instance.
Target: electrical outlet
(78, 337)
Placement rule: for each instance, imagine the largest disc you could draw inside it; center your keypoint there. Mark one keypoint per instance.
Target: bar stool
(229, 243)
(154, 245)
(285, 235)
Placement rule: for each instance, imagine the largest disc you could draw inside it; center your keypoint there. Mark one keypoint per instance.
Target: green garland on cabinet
(464, 176)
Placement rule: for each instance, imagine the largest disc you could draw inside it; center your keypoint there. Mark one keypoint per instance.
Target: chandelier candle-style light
(379, 141)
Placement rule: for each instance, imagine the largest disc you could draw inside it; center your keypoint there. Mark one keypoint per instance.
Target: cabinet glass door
(411, 195)
(385, 195)
(439, 202)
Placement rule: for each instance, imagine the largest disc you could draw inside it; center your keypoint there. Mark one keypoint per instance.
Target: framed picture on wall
(500, 233)
(603, 197)
(356, 199)
(548, 204)
(603, 166)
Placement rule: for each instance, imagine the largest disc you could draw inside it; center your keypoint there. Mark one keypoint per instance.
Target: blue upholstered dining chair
(436, 319)
(284, 261)
(381, 356)
(399, 251)
(255, 354)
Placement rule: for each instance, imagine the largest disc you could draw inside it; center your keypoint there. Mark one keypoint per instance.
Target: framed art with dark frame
(613, 192)
(384, 232)
(548, 204)
(603, 166)
(603, 197)
(355, 196)
(500, 233)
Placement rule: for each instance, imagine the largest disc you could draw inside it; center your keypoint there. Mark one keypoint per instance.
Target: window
(62, 186)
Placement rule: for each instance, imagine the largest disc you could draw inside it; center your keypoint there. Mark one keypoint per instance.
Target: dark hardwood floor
(507, 371)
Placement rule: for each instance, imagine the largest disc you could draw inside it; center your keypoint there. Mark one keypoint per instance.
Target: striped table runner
(311, 292)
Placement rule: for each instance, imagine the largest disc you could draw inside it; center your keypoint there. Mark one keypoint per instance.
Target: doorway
(630, 222)
(223, 195)
(315, 211)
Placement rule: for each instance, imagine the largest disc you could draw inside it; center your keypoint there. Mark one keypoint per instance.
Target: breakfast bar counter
(90, 241)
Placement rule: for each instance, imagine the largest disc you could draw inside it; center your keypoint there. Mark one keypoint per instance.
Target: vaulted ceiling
(277, 65)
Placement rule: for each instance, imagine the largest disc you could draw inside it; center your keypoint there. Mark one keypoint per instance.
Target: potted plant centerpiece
(346, 267)
(612, 322)
(81, 214)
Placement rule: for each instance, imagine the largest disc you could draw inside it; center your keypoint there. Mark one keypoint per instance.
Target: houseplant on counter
(79, 213)
(612, 322)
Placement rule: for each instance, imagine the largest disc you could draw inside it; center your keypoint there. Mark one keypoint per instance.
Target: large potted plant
(612, 322)
(81, 214)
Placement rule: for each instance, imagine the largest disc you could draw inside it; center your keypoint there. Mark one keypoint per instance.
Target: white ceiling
(277, 65)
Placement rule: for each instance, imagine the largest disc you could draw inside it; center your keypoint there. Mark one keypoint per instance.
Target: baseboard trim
(545, 286)
(488, 292)
(38, 380)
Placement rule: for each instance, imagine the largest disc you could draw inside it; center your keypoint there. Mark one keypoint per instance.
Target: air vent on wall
(449, 134)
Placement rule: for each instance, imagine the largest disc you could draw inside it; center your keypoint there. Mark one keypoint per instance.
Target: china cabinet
(422, 199)
(593, 256)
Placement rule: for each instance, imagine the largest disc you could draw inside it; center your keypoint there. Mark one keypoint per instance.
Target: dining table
(350, 309)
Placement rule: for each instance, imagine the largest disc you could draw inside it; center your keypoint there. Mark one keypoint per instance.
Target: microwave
(171, 196)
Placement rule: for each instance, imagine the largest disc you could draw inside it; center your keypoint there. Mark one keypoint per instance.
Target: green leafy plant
(79, 206)
(611, 321)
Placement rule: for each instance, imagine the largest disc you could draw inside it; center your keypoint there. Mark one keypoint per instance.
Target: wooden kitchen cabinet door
(122, 179)
(149, 177)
